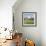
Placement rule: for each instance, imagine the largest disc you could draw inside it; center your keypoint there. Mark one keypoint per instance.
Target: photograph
(29, 18)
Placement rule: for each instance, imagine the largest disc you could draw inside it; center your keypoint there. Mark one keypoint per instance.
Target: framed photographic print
(29, 19)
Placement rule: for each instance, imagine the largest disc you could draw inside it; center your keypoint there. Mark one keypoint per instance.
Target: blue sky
(28, 15)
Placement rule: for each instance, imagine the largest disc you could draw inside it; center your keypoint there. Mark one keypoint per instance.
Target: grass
(28, 21)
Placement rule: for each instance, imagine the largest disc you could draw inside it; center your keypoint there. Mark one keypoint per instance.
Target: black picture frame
(29, 19)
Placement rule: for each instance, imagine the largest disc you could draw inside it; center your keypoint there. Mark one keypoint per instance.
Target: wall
(6, 13)
(43, 22)
(33, 33)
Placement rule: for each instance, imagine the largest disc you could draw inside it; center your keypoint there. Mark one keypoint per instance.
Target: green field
(28, 21)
